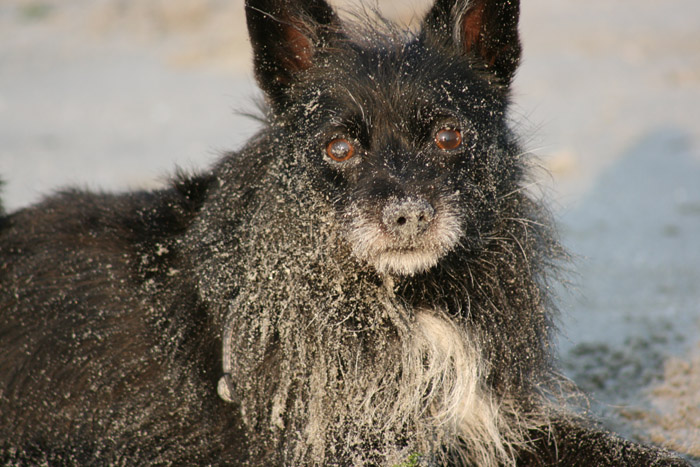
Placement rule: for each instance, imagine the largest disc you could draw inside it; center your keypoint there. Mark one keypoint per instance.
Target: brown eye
(340, 150)
(447, 139)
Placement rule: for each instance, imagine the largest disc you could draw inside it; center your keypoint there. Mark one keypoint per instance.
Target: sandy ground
(113, 94)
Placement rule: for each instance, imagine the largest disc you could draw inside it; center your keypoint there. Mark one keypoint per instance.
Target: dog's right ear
(286, 35)
(486, 31)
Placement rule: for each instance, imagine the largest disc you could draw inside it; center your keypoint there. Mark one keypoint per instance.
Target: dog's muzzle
(407, 219)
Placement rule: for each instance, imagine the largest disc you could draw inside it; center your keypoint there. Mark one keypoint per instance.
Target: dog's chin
(405, 262)
(371, 245)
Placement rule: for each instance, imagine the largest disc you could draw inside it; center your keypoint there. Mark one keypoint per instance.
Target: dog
(364, 283)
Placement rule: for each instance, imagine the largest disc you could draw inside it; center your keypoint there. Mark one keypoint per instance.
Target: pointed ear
(285, 35)
(484, 30)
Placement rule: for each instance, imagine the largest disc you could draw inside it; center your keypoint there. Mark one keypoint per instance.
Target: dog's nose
(408, 218)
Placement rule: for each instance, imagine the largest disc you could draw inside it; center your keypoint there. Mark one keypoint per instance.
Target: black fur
(118, 312)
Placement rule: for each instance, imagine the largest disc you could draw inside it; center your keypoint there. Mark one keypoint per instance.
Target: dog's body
(368, 271)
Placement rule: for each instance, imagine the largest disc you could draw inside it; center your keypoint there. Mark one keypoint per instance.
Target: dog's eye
(340, 150)
(448, 139)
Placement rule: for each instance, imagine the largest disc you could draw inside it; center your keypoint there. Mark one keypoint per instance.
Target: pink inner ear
(298, 50)
(472, 27)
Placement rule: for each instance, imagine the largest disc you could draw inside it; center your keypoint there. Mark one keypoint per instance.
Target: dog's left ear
(286, 36)
(484, 30)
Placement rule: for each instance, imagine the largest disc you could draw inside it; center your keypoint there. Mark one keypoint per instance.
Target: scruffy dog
(368, 272)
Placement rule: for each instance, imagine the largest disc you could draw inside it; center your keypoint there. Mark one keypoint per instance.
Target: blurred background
(113, 94)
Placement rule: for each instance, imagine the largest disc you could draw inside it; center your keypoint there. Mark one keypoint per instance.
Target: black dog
(368, 271)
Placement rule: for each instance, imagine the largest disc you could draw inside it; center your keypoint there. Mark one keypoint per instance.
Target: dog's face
(405, 134)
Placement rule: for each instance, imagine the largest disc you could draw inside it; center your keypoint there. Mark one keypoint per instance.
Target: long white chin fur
(405, 262)
(444, 370)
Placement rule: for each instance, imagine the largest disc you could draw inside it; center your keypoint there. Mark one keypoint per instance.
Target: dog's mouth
(408, 236)
(405, 262)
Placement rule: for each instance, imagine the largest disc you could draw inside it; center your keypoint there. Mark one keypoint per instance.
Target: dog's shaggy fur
(364, 283)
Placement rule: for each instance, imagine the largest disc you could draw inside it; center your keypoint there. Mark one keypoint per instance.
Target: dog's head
(404, 132)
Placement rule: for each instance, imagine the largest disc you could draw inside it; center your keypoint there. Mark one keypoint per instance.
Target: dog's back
(104, 340)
